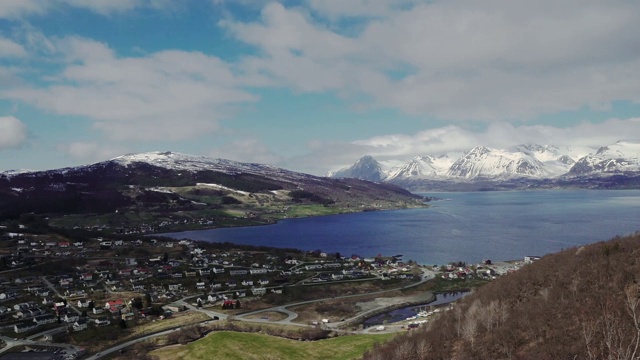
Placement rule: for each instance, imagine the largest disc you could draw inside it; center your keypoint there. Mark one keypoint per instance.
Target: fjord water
(464, 226)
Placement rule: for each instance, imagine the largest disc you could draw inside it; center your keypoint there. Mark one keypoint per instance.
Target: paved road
(426, 275)
(53, 288)
(11, 342)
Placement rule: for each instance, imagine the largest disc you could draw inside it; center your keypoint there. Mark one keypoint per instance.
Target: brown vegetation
(582, 303)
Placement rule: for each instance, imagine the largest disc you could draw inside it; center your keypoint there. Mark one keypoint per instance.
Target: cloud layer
(13, 132)
(476, 65)
(456, 60)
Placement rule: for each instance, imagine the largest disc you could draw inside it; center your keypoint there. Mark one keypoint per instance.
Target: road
(11, 342)
(425, 276)
(291, 315)
(53, 288)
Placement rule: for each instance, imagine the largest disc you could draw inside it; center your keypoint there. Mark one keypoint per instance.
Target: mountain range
(169, 186)
(521, 166)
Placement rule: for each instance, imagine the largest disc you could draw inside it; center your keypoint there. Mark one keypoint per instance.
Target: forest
(581, 303)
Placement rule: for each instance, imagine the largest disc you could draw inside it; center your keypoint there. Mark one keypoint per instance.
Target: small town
(57, 294)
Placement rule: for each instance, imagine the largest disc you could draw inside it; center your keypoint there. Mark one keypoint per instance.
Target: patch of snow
(223, 188)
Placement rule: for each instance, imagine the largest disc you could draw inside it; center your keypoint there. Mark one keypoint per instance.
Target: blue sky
(311, 85)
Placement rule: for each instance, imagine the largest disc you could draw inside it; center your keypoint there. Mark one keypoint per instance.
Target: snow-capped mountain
(169, 181)
(623, 156)
(522, 164)
(192, 163)
(366, 168)
(483, 162)
(423, 167)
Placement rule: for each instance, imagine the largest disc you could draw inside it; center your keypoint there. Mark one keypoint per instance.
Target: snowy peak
(173, 160)
(623, 156)
(483, 162)
(423, 167)
(621, 149)
(366, 168)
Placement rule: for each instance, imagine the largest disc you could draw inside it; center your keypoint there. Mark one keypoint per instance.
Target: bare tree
(403, 351)
(423, 349)
(470, 323)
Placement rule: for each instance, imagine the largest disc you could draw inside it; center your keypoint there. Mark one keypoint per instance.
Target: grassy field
(247, 346)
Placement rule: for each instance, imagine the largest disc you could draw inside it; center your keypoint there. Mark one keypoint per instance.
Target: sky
(312, 85)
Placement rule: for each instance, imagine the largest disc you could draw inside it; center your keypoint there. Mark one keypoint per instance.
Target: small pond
(405, 312)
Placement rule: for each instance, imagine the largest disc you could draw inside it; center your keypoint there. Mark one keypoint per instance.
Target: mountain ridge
(520, 166)
(169, 185)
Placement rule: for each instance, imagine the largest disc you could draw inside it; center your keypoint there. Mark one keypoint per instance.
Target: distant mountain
(623, 156)
(366, 168)
(482, 162)
(423, 166)
(521, 166)
(174, 185)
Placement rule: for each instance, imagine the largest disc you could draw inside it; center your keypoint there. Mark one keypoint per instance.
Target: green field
(246, 346)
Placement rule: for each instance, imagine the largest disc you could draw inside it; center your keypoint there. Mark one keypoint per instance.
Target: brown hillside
(581, 303)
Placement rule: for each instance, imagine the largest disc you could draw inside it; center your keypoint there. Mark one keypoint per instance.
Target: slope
(168, 188)
(582, 303)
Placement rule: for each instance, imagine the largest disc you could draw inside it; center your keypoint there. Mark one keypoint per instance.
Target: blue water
(467, 227)
(405, 312)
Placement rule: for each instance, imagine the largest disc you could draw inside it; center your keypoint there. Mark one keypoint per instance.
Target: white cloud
(325, 156)
(168, 95)
(14, 9)
(13, 132)
(88, 152)
(247, 150)
(336, 9)
(9, 48)
(459, 60)
(10, 9)
(107, 7)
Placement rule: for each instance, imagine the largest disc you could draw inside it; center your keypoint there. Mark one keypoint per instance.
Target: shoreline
(275, 222)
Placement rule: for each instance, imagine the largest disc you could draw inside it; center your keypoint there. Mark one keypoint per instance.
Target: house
(231, 284)
(86, 277)
(118, 304)
(124, 272)
(130, 262)
(216, 286)
(64, 244)
(83, 303)
(138, 288)
(277, 291)
(263, 281)
(97, 310)
(259, 291)
(200, 285)
(531, 258)
(205, 272)
(45, 319)
(247, 282)
(241, 293)
(80, 325)
(258, 271)
(78, 244)
(190, 273)
(218, 270)
(175, 287)
(238, 272)
(313, 267)
(70, 318)
(102, 322)
(24, 327)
